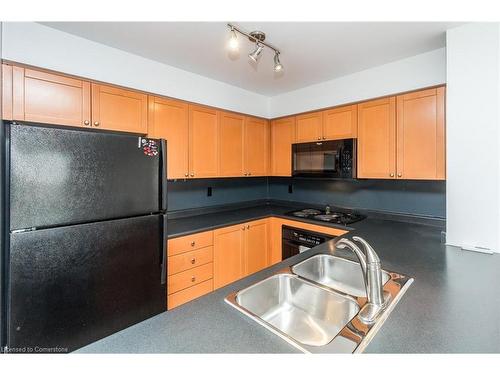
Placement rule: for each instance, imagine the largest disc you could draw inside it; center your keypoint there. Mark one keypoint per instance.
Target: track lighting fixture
(257, 37)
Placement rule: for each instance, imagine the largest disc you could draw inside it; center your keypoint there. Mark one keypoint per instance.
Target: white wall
(473, 135)
(39, 45)
(415, 72)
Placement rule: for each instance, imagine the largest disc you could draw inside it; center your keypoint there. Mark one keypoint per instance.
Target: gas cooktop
(335, 217)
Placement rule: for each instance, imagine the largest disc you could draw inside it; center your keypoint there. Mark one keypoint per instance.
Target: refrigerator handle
(164, 241)
(163, 174)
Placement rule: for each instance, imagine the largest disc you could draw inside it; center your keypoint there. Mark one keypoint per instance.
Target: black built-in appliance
(295, 241)
(327, 159)
(84, 237)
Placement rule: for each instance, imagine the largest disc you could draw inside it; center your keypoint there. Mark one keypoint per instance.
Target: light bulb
(256, 52)
(278, 67)
(233, 41)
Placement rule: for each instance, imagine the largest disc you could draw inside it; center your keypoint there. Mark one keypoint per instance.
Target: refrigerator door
(64, 176)
(70, 286)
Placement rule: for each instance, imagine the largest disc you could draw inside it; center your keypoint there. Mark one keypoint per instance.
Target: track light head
(233, 41)
(255, 55)
(278, 67)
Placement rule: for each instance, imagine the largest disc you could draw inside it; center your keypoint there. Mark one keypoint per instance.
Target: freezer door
(73, 285)
(63, 176)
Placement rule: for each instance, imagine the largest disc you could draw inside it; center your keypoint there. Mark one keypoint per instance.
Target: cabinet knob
(193, 261)
(86, 122)
(243, 227)
(186, 174)
(319, 138)
(193, 279)
(248, 226)
(246, 174)
(192, 174)
(193, 243)
(324, 138)
(96, 123)
(400, 175)
(249, 174)
(392, 175)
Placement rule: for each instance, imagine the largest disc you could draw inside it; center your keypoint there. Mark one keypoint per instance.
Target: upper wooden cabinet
(168, 119)
(119, 109)
(256, 147)
(340, 123)
(336, 123)
(377, 138)
(407, 142)
(203, 141)
(231, 140)
(36, 96)
(308, 127)
(421, 135)
(282, 137)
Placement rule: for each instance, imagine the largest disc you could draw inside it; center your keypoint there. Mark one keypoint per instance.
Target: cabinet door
(168, 119)
(421, 138)
(49, 98)
(228, 255)
(203, 141)
(340, 123)
(119, 109)
(256, 147)
(377, 138)
(6, 92)
(282, 137)
(309, 127)
(231, 145)
(256, 246)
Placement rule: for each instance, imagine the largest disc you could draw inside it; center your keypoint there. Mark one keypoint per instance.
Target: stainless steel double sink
(313, 305)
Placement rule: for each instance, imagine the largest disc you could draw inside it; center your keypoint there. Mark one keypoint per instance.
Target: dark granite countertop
(452, 306)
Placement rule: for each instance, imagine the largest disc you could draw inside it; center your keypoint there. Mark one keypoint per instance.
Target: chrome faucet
(372, 274)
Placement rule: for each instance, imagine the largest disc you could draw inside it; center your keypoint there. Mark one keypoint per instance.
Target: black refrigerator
(83, 237)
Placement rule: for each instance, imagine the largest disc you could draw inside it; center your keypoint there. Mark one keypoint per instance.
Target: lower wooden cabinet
(189, 268)
(256, 252)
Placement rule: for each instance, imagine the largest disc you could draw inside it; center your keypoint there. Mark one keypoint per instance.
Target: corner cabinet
(168, 119)
(282, 137)
(403, 137)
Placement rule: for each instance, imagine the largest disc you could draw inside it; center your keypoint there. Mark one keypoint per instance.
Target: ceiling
(311, 52)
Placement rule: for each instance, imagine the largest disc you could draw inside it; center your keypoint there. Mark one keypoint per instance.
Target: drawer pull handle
(193, 279)
(193, 261)
(193, 243)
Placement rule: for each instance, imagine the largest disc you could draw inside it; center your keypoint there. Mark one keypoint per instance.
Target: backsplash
(185, 194)
(409, 197)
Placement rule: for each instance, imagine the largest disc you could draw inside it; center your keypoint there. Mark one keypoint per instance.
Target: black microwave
(330, 159)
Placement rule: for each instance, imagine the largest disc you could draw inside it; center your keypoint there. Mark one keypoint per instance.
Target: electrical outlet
(290, 189)
(209, 191)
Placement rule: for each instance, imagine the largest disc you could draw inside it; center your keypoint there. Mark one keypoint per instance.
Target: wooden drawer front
(189, 294)
(191, 259)
(188, 243)
(188, 278)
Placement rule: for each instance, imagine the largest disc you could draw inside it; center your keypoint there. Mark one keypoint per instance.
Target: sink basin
(336, 273)
(309, 314)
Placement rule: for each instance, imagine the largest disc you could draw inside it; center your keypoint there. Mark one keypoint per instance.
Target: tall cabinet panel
(282, 137)
(231, 144)
(229, 246)
(203, 141)
(377, 139)
(256, 147)
(168, 119)
(421, 135)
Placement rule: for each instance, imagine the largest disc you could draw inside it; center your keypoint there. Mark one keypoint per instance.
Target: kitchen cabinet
(421, 135)
(231, 144)
(377, 139)
(282, 137)
(168, 119)
(6, 92)
(256, 147)
(203, 142)
(340, 122)
(118, 109)
(256, 246)
(229, 245)
(189, 267)
(37, 96)
(308, 127)
(403, 137)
